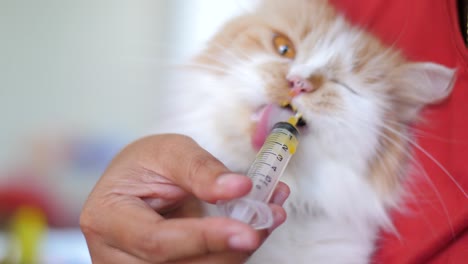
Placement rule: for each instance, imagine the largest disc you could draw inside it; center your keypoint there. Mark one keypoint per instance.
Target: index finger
(181, 160)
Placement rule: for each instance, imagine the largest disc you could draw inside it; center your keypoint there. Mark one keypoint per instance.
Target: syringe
(265, 173)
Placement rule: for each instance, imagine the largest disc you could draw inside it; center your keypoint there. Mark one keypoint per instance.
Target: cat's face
(361, 94)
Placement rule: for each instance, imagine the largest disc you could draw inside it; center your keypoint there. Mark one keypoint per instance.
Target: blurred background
(78, 81)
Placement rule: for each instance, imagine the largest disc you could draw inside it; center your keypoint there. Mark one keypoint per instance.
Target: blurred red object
(24, 190)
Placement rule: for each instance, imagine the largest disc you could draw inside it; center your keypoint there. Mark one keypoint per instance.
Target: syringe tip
(293, 120)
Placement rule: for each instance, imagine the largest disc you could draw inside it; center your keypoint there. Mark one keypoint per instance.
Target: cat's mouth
(266, 117)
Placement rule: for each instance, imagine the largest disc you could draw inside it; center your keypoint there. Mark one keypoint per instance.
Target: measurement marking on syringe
(261, 174)
(281, 132)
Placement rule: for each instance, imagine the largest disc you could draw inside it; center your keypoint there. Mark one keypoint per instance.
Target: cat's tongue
(266, 118)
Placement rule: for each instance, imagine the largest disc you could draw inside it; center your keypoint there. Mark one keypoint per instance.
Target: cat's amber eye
(284, 46)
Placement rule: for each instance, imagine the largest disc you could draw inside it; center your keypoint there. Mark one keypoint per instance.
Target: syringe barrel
(271, 161)
(265, 173)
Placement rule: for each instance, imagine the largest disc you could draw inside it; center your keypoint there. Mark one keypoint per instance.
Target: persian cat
(357, 97)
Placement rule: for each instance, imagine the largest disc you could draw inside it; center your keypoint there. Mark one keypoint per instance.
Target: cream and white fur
(353, 155)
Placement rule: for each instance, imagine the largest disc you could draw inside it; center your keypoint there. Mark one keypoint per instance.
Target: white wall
(84, 65)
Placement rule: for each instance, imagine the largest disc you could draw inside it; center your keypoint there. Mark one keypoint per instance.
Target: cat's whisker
(227, 63)
(427, 154)
(417, 200)
(383, 104)
(241, 54)
(418, 164)
(386, 170)
(205, 67)
(242, 76)
(230, 58)
(431, 183)
(419, 133)
(383, 125)
(424, 173)
(379, 133)
(227, 51)
(223, 70)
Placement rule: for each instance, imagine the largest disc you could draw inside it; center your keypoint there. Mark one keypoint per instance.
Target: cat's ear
(427, 83)
(420, 84)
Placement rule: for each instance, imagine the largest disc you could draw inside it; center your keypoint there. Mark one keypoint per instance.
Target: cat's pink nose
(299, 85)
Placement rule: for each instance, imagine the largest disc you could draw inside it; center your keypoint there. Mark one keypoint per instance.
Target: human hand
(141, 210)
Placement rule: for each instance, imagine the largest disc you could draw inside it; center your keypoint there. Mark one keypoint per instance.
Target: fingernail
(279, 198)
(241, 241)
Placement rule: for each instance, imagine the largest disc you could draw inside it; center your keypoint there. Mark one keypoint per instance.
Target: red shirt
(436, 228)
